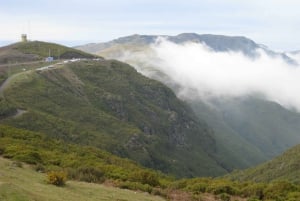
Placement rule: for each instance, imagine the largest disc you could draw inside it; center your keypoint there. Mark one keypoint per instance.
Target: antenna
(28, 23)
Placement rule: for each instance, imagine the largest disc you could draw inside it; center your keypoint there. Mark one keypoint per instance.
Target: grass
(25, 184)
(107, 104)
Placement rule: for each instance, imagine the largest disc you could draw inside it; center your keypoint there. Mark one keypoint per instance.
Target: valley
(255, 128)
(100, 120)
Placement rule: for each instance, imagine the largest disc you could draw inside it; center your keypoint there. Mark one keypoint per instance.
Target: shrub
(136, 186)
(225, 197)
(30, 157)
(146, 177)
(253, 199)
(57, 178)
(218, 187)
(294, 196)
(198, 188)
(17, 164)
(254, 189)
(89, 174)
(279, 189)
(39, 168)
(2, 150)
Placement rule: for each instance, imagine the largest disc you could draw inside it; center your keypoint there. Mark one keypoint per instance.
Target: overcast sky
(275, 23)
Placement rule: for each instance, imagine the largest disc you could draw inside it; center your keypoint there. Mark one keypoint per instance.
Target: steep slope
(37, 50)
(109, 105)
(248, 130)
(283, 167)
(258, 130)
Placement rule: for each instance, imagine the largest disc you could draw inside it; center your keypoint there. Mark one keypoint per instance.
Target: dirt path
(6, 83)
(19, 113)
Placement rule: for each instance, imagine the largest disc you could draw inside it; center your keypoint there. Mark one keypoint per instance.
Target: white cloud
(207, 74)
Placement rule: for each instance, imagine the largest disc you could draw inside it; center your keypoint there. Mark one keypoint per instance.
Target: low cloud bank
(203, 73)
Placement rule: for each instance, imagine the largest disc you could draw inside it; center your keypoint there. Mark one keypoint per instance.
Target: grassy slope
(37, 148)
(25, 184)
(231, 154)
(37, 50)
(248, 131)
(283, 167)
(109, 105)
(34, 147)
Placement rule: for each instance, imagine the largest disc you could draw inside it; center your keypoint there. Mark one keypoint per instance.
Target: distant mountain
(284, 167)
(37, 50)
(248, 130)
(219, 43)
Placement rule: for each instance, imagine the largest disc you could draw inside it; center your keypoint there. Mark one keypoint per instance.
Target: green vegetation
(93, 165)
(107, 104)
(230, 190)
(57, 178)
(6, 109)
(36, 51)
(248, 130)
(80, 162)
(25, 184)
(57, 51)
(79, 115)
(283, 167)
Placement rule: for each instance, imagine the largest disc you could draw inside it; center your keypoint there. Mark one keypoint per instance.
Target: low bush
(57, 178)
(89, 174)
(219, 186)
(135, 186)
(145, 177)
(30, 157)
(39, 168)
(224, 197)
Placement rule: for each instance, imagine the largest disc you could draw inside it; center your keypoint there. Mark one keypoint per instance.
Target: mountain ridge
(218, 43)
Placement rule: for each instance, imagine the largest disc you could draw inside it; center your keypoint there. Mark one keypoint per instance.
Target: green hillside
(23, 182)
(258, 130)
(247, 130)
(81, 163)
(283, 167)
(107, 104)
(37, 50)
(20, 181)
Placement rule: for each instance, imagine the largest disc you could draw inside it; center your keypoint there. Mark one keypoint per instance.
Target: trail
(6, 83)
(19, 113)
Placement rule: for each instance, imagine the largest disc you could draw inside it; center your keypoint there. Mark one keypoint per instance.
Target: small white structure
(24, 38)
(49, 59)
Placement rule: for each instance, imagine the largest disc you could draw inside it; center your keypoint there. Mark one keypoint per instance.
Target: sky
(274, 23)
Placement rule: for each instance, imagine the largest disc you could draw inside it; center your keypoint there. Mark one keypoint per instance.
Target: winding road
(6, 83)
